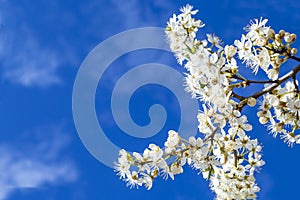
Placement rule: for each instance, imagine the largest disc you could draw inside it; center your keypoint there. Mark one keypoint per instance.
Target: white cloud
(24, 58)
(33, 165)
(27, 62)
(31, 65)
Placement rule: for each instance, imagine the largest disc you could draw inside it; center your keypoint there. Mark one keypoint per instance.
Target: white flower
(188, 9)
(214, 40)
(213, 58)
(255, 161)
(290, 138)
(244, 48)
(195, 142)
(272, 74)
(176, 168)
(256, 27)
(264, 59)
(230, 51)
(272, 100)
(173, 139)
(154, 153)
(132, 180)
(147, 181)
(240, 126)
(205, 124)
(123, 165)
(294, 105)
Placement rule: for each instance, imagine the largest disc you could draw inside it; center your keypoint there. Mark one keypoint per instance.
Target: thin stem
(295, 83)
(254, 81)
(212, 135)
(240, 76)
(235, 157)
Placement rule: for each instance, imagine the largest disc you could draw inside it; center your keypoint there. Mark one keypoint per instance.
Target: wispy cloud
(25, 60)
(29, 64)
(35, 164)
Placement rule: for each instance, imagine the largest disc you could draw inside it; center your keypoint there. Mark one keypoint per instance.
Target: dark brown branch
(274, 85)
(295, 58)
(261, 82)
(211, 136)
(239, 97)
(280, 80)
(254, 81)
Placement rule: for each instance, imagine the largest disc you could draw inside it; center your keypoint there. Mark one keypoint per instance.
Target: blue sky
(42, 45)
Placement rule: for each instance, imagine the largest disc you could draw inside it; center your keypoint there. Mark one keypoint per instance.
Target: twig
(239, 97)
(274, 85)
(295, 58)
(254, 81)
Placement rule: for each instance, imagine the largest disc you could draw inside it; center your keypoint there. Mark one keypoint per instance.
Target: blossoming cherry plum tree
(225, 155)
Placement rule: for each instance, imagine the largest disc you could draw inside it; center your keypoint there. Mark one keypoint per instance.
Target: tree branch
(254, 81)
(288, 75)
(239, 97)
(295, 58)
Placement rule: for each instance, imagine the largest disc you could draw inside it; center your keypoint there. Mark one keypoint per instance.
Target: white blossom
(225, 155)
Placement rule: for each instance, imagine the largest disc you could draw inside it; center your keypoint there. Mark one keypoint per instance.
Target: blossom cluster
(281, 109)
(225, 155)
(261, 47)
(214, 159)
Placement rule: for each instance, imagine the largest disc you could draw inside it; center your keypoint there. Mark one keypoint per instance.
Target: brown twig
(295, 58)
(288, 75)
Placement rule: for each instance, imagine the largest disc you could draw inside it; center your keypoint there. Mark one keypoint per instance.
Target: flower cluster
(281, 108)
(228, 165)
(137, 169)
(225, 155)
(261, 47)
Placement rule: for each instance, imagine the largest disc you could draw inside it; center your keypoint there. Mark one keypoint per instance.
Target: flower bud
(294, 36)
(277, 37)
(261, 41)
(287, 37)
(281, 33)
(271, 33)
(251, 101)
(263, 120)
(293, 51)
(230, 51)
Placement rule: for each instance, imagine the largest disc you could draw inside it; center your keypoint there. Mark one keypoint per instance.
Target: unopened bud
(271, 33)
(281, 33)
(154, 173)
(287, 37)
(294, 37)
(277, 37)
(251, 101)
(294, 51)
(263, 120)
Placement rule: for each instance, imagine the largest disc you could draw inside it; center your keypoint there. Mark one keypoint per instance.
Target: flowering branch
(295, 58)
(225, 155)
(278, 82)
(271, 87)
